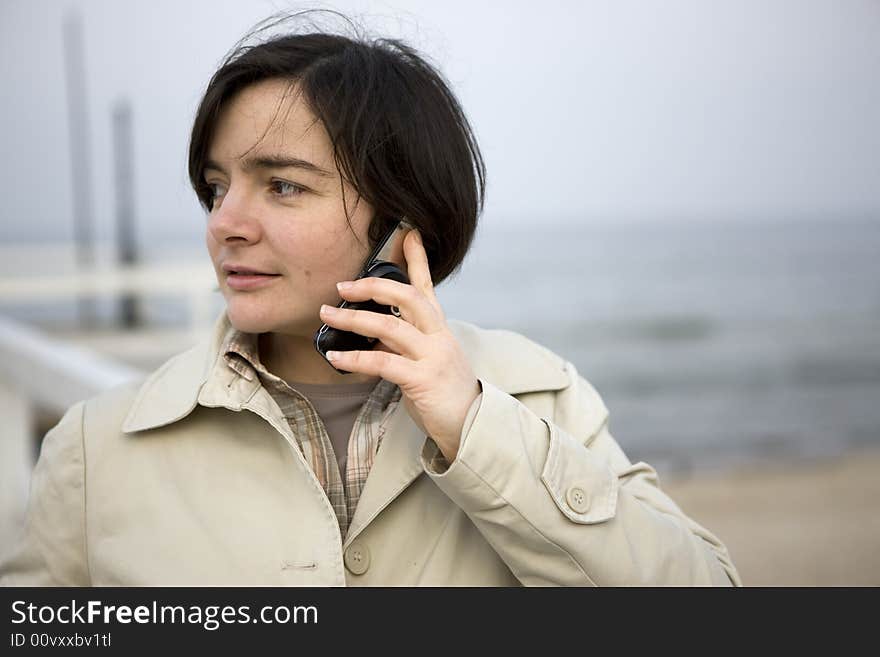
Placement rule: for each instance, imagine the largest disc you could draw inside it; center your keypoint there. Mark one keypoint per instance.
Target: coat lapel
(172, 392)
(506, 359)
(396, 466)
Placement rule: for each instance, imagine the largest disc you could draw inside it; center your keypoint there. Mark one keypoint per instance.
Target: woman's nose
(234, 220)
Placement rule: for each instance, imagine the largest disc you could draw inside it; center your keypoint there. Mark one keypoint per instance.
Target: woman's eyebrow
(272, 162)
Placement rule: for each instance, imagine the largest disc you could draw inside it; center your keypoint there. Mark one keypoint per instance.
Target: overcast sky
(586, 111)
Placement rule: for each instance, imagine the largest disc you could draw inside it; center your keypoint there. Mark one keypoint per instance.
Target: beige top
(357, 440)
(338, 405)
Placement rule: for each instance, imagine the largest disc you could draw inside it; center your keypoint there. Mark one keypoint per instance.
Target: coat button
(578, 499)
(357, 558)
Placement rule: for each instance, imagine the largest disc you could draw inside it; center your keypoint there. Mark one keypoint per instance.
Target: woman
(245, 460)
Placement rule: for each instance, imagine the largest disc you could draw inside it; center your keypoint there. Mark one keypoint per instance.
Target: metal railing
(193, 281)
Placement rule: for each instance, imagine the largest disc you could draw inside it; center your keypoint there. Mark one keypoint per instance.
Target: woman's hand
(418, 351)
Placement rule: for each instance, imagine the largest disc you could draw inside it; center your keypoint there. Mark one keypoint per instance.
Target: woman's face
(278, 210)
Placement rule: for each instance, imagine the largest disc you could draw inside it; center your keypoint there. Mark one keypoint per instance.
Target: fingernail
(332, 355)
(327, 310)
(344, 285)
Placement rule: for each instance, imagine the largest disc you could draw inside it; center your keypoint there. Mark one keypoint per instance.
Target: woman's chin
(249, 321)
(248, 327)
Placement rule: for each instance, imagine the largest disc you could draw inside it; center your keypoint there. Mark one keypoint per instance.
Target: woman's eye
(217, 190)
(286, 189)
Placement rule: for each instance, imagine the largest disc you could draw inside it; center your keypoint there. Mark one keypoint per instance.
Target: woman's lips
(249, 281)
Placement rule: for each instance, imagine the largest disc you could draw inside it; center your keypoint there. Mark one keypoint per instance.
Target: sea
(713, 344)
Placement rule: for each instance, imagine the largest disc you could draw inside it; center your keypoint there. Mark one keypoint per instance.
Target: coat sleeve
(51, 550)
(567, 507)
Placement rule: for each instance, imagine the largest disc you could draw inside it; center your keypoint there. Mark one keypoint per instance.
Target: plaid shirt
(241, 352)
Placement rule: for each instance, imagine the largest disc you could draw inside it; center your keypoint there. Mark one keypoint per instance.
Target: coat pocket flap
(584, 488)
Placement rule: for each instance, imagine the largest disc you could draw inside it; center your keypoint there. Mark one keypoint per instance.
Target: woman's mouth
(248, 280)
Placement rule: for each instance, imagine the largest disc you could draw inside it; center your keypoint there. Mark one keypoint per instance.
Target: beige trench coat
(193, 477)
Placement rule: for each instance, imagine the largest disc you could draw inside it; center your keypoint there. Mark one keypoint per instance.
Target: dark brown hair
(399, 135)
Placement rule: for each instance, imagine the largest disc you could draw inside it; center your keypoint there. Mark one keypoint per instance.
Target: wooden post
(80, 160)
(126, 240)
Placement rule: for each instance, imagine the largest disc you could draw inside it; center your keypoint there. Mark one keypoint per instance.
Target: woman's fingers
(415, 308)
(418, 269)
(391, 367)
(394, 332)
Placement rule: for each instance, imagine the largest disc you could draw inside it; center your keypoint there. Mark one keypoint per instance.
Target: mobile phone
(385, 261)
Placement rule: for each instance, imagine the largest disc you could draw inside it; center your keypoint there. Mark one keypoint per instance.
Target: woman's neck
(294, 358)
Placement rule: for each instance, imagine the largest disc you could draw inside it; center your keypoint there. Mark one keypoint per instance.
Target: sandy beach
(814, 523)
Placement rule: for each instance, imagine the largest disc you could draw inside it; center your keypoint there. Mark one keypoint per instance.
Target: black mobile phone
(385, 261)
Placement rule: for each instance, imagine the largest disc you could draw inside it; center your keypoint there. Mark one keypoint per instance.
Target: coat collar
(508, 360)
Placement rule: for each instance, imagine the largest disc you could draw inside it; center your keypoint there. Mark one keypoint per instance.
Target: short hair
(399, 135)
